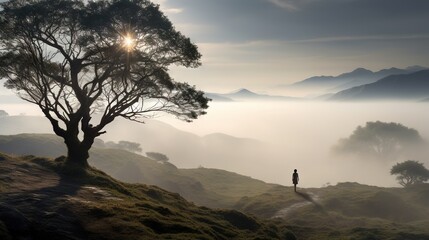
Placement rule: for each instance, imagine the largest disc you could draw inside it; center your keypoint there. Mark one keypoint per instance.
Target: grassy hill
(344, 211)
(41, 200)
(185, 149)
(208, 187)
(229, 185)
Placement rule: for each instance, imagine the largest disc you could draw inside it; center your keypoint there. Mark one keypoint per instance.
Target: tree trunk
(77, 153)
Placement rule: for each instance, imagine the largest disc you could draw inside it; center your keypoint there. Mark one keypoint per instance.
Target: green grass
(394, 204)
(227, 184)
(267, 204)
(350, 211)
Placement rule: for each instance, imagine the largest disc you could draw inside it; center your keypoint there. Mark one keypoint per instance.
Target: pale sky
(259, 44)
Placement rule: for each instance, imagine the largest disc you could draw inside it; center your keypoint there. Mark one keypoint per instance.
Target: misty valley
(117, 120)
(244, 137)
(362, 167)
(220, 160)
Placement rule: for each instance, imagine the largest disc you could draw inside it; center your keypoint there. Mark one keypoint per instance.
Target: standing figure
(295, 178)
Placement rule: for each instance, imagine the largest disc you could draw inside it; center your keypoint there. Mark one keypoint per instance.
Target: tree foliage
(381, 140)
(410, 172)
(157, 156)
(75, 58)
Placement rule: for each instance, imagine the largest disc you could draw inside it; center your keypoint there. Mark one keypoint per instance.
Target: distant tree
(157, 156)
(410, 172)
(3, 113)
(125, 145)
(379, 139)
(75, 58)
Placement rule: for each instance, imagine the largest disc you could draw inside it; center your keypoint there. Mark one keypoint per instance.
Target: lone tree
(410, 172)
(77, 58)
(380, 139)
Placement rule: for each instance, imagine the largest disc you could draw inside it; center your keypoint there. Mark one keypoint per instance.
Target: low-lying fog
(303, 134)
(293, 135)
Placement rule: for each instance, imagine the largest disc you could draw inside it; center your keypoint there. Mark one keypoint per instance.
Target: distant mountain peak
(358, 70)
(242, 91)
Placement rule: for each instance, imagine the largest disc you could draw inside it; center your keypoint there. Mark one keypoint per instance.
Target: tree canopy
(381, 140)
(77, 58)
(410, 172)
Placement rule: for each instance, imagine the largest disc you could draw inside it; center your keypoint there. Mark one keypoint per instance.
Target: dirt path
(309, 198)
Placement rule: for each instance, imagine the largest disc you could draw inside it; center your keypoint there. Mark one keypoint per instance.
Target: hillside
(184, 149)
(344, 211)
(39, 200)
(414, 86)
(227, 184)
(194, 184)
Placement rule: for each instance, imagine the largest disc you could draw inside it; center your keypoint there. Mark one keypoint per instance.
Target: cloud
(291, 5)
(173, 10)
(287, 4)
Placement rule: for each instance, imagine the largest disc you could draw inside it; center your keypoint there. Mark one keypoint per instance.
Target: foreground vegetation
(208, 187)
(347, 211)
(41, 199)
(344, 211)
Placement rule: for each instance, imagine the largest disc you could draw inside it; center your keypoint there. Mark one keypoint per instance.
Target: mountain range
(320, 85)
(411, 86)
(360, 84)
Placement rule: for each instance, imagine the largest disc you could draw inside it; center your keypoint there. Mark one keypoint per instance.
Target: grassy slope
(208, 187)
(228, 184)
(348, 211)
(120, 164)
(345, 211)
(93, 205)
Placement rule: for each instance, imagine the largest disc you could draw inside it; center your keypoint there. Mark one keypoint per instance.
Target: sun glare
(129, 43)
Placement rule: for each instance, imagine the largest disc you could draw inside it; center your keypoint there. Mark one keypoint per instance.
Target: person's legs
(295, 187)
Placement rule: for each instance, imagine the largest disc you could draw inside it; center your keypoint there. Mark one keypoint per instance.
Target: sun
(129, 42)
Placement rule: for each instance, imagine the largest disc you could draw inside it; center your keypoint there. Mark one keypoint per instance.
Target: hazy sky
(259, 44)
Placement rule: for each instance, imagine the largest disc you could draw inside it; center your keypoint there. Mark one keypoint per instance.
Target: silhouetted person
(295, 178)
